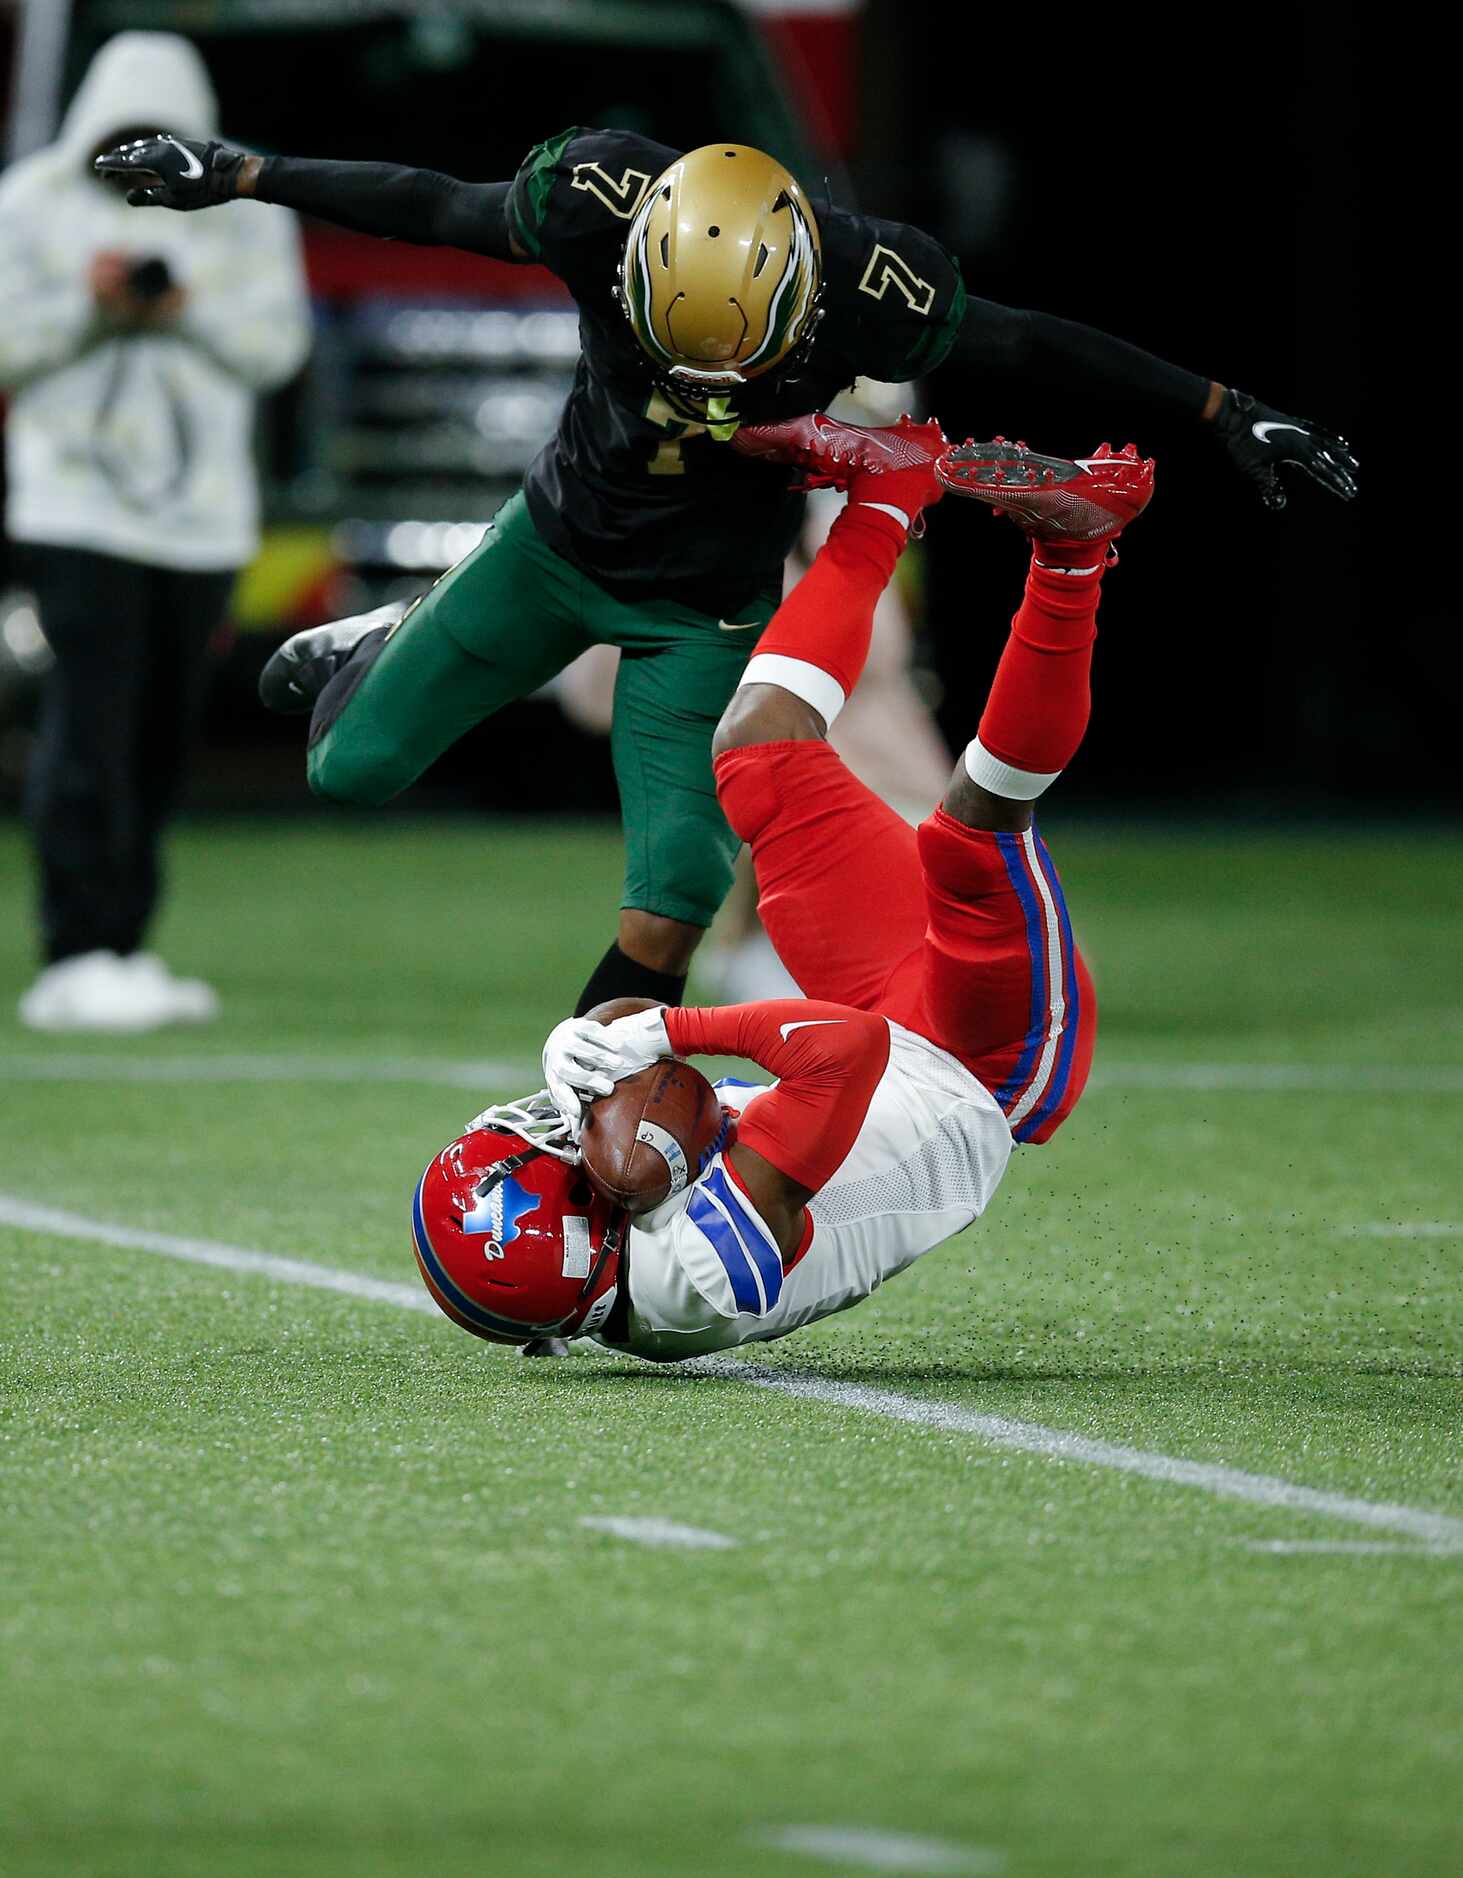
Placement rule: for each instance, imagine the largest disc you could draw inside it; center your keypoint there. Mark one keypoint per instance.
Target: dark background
(1191, 184)
(1194, 188)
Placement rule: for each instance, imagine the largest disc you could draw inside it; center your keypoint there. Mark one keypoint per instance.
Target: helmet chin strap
(609, 1249)
(504, 1168)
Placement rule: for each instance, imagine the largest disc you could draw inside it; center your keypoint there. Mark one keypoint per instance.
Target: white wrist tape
(808, 682)
(989, 772)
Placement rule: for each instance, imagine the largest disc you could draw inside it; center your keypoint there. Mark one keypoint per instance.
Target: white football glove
(584, 1059)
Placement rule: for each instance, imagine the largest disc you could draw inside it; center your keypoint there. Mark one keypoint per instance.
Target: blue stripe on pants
(1056, 1090)
(1011, 853)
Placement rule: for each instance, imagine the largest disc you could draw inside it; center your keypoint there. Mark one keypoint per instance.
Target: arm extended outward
(384, 199)
(1072, 357)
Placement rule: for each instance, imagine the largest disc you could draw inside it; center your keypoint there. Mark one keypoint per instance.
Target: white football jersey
(705, 1272)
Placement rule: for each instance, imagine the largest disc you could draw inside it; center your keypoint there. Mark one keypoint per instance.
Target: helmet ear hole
(581, 1193)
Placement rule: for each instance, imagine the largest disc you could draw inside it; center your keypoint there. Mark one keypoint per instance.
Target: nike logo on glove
(806, 1023)
(738, 625)
(194, 168)
(1261, 432)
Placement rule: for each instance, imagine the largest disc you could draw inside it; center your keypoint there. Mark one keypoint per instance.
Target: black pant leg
(81, 796)
(184, 614)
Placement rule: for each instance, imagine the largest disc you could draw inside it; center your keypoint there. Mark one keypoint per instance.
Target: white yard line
(659, 1532)
(1226, 1483)
(230, 1258)
(489, 1074)
(1360, 1548)
(72, 1066)
(871, 1850)
(1261, 1078)
(1405, 1229)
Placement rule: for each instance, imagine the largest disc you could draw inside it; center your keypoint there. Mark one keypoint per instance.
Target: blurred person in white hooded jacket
(133, 349)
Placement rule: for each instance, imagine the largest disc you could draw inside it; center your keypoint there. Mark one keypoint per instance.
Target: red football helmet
(512, 1240)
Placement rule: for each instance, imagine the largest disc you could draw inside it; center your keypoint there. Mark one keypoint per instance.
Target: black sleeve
(385, 199)
(1071, 357)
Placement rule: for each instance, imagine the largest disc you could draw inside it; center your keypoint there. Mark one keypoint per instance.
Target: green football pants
(499, 625)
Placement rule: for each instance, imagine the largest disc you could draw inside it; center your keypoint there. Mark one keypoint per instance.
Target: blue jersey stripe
(717, 1230)
(1056, 1091)
(1012, 854)
(764, 1254)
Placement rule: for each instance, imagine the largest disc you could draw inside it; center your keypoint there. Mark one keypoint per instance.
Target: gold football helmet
(722, 270)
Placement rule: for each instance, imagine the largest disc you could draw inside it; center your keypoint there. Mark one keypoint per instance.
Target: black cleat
(299, 671)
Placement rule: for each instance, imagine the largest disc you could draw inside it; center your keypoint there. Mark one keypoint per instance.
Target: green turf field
(296, 1581)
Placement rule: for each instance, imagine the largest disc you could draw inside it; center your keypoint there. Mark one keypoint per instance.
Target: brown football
(648, 1139)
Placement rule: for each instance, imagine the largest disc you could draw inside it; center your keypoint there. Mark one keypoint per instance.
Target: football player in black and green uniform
(710, 295)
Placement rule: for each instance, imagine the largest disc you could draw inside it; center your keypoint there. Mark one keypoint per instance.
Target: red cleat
(834, 453)
(1051, 498)
(894, 464)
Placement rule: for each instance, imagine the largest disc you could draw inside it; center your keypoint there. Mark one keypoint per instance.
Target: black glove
(173, 172)
(1259, 440)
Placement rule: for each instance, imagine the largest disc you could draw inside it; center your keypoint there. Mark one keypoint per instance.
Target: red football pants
(959, 934)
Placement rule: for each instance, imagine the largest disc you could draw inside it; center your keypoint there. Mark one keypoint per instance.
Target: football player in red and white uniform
(948, 1013)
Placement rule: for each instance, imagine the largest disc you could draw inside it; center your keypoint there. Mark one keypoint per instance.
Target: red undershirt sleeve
(828, 1059)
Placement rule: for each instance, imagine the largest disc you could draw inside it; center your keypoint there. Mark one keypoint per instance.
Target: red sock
(828, 618)
(1041, 697)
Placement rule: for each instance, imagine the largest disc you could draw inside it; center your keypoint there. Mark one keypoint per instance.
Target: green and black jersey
(641, 496)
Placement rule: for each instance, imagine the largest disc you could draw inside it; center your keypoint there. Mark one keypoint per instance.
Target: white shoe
(296, 674)
(93, 991)
(186, 1000)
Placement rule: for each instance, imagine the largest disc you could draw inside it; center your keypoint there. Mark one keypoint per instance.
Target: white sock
(804, 680)
(1001, 779)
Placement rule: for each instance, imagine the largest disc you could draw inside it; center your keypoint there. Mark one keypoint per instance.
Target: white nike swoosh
(807, 1023)
(738, 625)
(1262, 431)
(195, 168)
